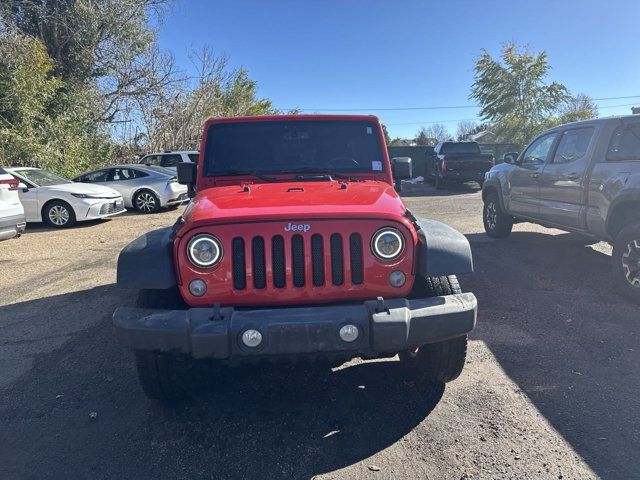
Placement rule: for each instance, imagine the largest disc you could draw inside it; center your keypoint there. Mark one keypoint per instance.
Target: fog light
(349, 333)
(197, 287)
(252, 338)
(397, 278)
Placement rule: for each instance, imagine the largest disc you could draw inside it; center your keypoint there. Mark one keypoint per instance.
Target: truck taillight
(12, 182)
(444, 165)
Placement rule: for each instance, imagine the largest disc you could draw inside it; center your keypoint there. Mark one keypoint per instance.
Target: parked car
(59, 202)
(145, 188)
(12, 219)
(295, 245)
(458, 162)
(581, 177)
(169, 160)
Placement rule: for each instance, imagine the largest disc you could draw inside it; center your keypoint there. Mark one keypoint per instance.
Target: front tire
(497, 223)
(168, 378)
(441, 361)
(145, 201)
(59, 214)
(626, 262)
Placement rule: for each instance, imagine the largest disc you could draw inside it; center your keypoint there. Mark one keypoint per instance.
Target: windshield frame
(208, 161)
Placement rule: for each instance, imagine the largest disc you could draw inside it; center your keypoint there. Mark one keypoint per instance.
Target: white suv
(12, 221)
(169, 160)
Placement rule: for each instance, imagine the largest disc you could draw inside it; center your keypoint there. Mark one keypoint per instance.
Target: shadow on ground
(427, 189)
(551, 316)
(255, 423)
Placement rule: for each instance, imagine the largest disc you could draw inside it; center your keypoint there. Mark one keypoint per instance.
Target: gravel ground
(550, 389)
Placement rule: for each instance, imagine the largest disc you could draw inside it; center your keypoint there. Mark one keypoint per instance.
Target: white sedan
(59, 202)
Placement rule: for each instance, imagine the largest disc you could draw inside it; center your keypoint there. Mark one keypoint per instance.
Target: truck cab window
(625, 143)
(573, 145)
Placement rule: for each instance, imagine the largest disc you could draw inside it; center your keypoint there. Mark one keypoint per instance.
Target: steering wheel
(343, 162)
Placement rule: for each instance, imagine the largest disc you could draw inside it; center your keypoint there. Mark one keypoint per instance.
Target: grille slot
(259, 269)
(329, 261)
(277, 257)
(238, 264)
(337, 259)
(297, 260)
(355, 255)
(317, 260)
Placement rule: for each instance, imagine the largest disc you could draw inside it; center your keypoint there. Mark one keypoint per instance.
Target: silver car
(145, 188)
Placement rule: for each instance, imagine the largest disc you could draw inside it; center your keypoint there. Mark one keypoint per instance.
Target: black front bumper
(385, 327)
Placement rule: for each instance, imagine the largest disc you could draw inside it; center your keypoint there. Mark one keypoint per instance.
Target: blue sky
(356, 54)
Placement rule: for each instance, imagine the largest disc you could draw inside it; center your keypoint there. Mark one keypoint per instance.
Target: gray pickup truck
(458, 162)
(581, 177)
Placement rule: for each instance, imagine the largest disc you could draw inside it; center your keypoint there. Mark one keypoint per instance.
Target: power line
(444, 107)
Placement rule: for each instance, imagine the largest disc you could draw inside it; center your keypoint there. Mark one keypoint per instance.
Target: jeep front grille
(303, 255)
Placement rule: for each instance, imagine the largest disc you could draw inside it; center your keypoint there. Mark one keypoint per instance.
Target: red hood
(294, 201)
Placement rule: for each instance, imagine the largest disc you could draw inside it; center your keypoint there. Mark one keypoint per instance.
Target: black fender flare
(442, 250)
(488, 186)
(147, 262)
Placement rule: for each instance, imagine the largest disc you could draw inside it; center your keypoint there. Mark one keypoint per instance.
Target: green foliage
(75, 75)
(41, 123)
(514, 95)
(385, 132)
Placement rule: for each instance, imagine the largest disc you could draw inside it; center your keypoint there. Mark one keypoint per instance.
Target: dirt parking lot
(550, 389)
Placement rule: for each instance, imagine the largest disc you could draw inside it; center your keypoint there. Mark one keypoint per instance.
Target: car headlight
(387, 243)
(204, 250)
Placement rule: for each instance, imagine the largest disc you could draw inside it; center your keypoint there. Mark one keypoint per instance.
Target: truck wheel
(441, 361)
(168, 378)
(626, 261)
(497, 223)
(164, 377)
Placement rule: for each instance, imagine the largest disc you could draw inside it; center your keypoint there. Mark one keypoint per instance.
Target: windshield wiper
(252, 173)
(317, 171)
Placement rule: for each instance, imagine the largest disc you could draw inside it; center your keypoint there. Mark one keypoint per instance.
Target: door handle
(573, 176)
(535, 175)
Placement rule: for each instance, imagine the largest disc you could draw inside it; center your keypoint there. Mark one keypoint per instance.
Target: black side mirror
(401, 168)
(187, 174)
(510, 157)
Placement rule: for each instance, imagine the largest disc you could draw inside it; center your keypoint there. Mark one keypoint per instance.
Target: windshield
(293, 146)
(462, 147)
(41, 178)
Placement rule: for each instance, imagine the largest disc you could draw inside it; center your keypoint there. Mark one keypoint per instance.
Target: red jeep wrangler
(295, 244)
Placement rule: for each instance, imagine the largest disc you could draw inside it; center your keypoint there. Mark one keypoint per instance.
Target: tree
(107, 43)
(174, 118)
(513, 93)
(464, 129)
(431, 135)
(387, 138)
(42, 123)
(578, 107)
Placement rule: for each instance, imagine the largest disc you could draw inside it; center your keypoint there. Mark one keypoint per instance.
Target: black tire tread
(504, 222)
(441, 361)
(625, 235)
(163, 376)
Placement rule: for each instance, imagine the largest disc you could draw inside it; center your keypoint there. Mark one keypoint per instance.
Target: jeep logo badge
(300, 227)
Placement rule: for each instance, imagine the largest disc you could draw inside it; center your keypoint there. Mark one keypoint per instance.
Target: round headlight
(387, 243)
(204, 250)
